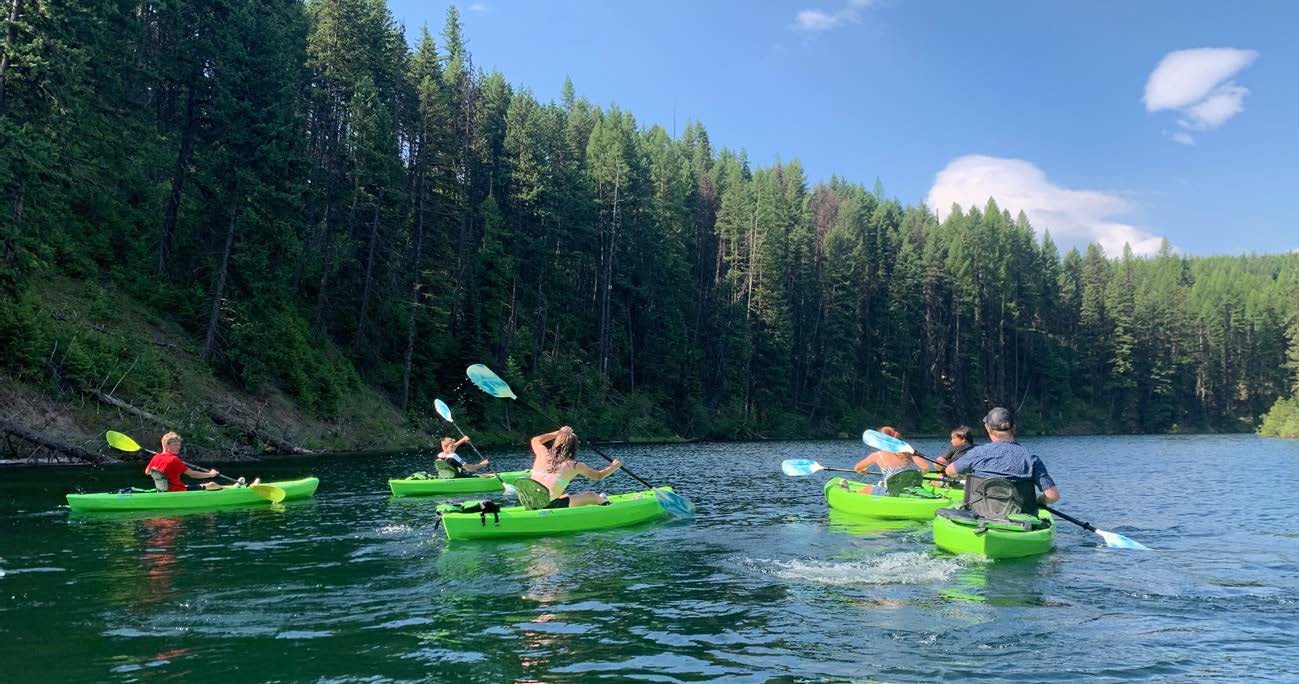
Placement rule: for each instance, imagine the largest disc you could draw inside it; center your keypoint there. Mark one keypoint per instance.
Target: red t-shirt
(171, 466)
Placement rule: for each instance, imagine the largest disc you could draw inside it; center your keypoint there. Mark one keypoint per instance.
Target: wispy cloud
(478, 7)
(1074, 217)
(1197, 84)
(817, 19)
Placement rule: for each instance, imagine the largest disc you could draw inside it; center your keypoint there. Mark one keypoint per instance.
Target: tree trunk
(218, 290)
(179, 174)
(408, 359)
(10, 36)
(53, 444)
(369, 272)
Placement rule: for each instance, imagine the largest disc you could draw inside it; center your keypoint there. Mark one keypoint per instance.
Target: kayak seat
(999, 498)
(160, 482)
(532, 494)
(909, 483)
(1015, 522)
(445, 470)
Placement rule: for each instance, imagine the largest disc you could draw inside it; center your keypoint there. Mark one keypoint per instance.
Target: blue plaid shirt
(1005, 459)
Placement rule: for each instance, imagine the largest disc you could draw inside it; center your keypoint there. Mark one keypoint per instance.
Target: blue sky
(1056, 109)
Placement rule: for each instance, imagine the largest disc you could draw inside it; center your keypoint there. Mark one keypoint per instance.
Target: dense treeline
(321, 206)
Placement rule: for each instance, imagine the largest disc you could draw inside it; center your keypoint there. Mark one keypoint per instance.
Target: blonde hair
(564, 448)
(169, 438)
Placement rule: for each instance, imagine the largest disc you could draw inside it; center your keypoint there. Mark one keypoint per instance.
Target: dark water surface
(764, 585)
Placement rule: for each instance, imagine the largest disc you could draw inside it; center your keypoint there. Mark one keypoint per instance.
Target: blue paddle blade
(489, 382)
(676, 505)
(1115, 540)
(443, 410)
(881, 441)
(795, 467)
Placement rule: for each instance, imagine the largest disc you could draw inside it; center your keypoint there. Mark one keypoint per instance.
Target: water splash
(893, 568)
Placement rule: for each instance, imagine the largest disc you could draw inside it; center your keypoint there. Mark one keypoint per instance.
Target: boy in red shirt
(166, 464)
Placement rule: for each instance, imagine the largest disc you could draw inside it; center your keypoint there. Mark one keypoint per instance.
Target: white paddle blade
(881, 441)
(443, 410)
(1115, 540)
(797, 467)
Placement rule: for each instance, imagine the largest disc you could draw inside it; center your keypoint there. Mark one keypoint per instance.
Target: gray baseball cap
(999, 419)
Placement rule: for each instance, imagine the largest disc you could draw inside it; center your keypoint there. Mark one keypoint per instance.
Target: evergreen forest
(328, 205)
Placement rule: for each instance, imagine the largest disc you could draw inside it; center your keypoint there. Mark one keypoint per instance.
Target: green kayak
(180, 501)
(903, 507)
(459, 485)
(959, 534)
(517, 521)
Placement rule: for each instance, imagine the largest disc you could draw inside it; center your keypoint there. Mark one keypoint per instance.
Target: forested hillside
(320, 208)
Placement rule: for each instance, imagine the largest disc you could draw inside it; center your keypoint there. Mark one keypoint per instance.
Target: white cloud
(1074, 217)
(816, 19)
(478, 7)
(1196, 83)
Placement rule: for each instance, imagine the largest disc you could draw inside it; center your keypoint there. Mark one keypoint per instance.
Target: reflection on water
(765, 584)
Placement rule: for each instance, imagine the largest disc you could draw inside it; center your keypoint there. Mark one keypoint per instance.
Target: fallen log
(70, 450)
(221, 417)
(119, 404)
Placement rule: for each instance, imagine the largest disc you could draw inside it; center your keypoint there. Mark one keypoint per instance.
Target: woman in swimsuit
(556, 465)
(889, 463)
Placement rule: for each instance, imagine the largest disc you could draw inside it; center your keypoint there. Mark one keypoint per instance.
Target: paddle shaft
(1085, 525)
(594, 448)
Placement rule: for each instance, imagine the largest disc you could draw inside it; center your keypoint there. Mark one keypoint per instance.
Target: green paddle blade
(489, 382)
(269, 492)
(443, 410)
(120, 441)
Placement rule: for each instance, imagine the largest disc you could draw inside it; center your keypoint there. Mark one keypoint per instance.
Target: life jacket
(998, 498)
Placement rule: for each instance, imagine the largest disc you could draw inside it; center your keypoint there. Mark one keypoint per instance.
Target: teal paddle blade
(443, 410)
(1115, 540)
(676, 505)
(796, 467)
(489, 382)
(881, 441)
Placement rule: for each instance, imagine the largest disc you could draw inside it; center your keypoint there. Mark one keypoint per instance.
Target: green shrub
(1282, 420)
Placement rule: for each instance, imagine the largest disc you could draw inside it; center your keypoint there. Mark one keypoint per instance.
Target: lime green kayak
(901, 507)
(517, 521)
(962, 535)
(459, 485)
(179, 501)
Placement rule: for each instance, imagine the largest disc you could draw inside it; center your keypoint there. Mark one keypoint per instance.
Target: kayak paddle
(123, 442)
(489, 382)
(798, 467)
(1113, 540)
(445, 411)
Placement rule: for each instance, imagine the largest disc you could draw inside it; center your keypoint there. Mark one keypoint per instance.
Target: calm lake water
(764, 585)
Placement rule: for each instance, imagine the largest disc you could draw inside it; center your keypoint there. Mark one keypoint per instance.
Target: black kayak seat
(909, 483)
(1015, 522)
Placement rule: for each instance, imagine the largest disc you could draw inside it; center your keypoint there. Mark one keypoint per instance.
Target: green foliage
(1282, 420)
(319, 208)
